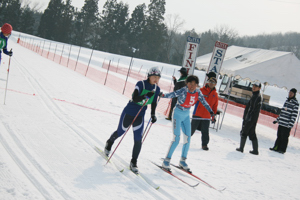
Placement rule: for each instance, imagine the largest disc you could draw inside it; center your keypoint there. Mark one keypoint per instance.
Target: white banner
(190, 55)
(217, 57)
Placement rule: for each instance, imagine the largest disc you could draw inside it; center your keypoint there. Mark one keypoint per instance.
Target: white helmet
(154, 71)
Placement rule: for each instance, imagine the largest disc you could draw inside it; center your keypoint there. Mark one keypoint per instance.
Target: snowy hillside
(54, 117)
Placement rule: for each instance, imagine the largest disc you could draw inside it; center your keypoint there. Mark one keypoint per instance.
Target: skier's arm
(175, 93)
(5, 50)
(136, 97)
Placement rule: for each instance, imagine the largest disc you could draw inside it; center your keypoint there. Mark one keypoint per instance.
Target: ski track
(85, 135)
(19, 160)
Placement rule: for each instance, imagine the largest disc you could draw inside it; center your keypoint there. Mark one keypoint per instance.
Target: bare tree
(174, 25)
(224, 33)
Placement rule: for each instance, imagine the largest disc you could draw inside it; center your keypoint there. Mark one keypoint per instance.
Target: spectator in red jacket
(201, 117)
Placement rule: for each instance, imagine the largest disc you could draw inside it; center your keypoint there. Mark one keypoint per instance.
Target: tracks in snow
(85, 135)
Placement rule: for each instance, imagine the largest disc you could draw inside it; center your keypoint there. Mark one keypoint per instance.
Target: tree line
(145, 33)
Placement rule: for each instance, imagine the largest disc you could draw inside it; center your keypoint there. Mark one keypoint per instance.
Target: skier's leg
(125, 121)
(186, 129)
(176, 132)
(138, 127)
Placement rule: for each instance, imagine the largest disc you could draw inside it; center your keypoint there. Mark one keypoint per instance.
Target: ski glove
(149, 94)
(275, 122)
(213, 120)
(153, 119)
(161, 94)
(9, 53)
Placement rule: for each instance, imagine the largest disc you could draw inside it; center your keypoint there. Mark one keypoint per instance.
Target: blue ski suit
(132, 109)
(181, 117)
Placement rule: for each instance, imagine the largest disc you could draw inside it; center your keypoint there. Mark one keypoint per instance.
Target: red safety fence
(116, 83)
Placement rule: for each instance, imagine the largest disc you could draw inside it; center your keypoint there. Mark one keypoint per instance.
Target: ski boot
(166, 164)
(133, 167)
(183, 165)
(107, 148)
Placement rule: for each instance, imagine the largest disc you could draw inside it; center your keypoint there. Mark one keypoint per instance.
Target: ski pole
(7, 78)
(146, 127)
(127, 130)
(145, 135)
(147, 132)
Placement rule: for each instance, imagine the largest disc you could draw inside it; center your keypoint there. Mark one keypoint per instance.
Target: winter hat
(154, 71)
(6, 28)
(257, 83)
(183, 70)
(211, 74)
(293, 90)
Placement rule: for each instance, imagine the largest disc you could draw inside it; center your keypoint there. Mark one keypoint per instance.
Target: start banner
(217, 57)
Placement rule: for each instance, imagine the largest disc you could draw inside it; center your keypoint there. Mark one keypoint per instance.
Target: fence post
(77, 58)
(55, 51)
(62, 53)
(118, 66)
(69, 55)
(43, 48)
(49, 49)
(127, 74)
(103, 62)
(107, 72)
(89, 62)
(140, 69)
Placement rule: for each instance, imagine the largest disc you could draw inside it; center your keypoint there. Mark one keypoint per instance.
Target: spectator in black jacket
(286, 121)
(178, 84)
(250, 118)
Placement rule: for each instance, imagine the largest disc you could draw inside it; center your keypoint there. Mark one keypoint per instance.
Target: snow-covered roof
(274, 67)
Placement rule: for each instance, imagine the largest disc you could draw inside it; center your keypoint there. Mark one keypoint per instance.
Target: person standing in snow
(250, 118)
(286, 121)
(178, 84)
(187, 97)
(201, 117)
(144, 90)
(4, 35)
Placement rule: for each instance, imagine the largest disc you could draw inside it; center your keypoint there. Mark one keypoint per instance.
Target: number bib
(190, 100)
(141, 103)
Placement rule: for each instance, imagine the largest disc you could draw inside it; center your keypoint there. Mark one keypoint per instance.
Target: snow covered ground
(53, 118)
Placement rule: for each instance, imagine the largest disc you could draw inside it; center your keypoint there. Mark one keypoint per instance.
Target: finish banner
(191, 50)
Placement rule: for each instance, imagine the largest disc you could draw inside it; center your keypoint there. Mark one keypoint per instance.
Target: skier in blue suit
(187, 97)
(146, 89)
